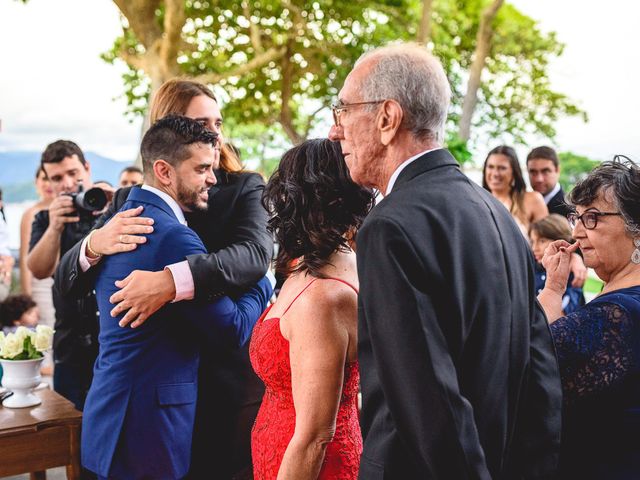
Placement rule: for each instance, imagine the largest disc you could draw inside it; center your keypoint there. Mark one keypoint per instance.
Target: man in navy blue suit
(140, 411)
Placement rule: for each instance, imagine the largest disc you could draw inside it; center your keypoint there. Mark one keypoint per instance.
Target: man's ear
(389, 120)
(163, 171)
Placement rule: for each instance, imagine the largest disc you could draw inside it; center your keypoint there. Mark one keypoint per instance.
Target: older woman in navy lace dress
(599, 344)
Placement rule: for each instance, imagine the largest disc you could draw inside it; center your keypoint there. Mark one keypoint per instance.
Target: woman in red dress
(304, 347)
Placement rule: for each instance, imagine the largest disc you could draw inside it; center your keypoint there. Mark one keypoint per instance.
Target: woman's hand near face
(557, 263)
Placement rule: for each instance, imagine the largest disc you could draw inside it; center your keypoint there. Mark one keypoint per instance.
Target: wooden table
(45, 436)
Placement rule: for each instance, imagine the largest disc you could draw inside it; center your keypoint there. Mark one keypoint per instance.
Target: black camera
(92, 200)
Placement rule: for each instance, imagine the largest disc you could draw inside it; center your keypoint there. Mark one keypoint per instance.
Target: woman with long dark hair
(304, 346)
(502, 176)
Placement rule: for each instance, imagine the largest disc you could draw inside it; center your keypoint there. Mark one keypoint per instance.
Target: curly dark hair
(14, 307)
(313, 203)
(619, 178)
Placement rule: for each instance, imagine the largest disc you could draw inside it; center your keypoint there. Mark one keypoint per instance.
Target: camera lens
(92, 200)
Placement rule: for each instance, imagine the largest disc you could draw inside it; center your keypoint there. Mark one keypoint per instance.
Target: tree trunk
(483, 47)
(424, 29)
(161, 43)
(286, 115)
(157, 79)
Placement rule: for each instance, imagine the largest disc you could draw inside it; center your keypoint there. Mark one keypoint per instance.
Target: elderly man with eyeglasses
(458, 372)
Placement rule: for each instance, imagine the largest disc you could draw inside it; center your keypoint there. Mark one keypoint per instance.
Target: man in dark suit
(458, 372)
(141, 407)
(544, 171)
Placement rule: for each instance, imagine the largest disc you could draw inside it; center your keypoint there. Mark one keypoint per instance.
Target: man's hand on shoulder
(141, 295)
(122, 233)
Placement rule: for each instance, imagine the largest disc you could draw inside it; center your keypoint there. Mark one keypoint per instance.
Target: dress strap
(345, 282)
(309, 284)
(301, 292)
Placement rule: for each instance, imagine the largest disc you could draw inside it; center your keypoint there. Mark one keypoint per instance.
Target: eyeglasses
(341, 107)
(589, 219)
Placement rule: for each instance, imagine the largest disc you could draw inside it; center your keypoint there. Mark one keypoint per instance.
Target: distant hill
(17, 171)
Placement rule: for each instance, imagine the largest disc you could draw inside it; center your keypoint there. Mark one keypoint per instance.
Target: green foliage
(515, 97)
(574, 168)
(458, 148)
(29, 352)
(136, 82)
(260, 146)
(322, 40)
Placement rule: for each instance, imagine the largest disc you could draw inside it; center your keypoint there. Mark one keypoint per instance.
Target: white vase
(21, 376)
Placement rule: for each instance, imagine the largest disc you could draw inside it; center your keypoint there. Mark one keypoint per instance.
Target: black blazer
(458, 370)
(558, 205)
(229, 394)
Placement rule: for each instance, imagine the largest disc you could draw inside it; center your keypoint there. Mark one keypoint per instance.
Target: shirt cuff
(85, 262)
(183, 279)
(272, 278)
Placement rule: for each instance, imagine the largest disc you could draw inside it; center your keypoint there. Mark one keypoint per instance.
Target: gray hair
(409, 74)
(619, 180)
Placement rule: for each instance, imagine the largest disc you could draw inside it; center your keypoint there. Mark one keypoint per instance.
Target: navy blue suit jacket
(139, 414)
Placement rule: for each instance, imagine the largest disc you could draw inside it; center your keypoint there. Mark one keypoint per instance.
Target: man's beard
(190, 198)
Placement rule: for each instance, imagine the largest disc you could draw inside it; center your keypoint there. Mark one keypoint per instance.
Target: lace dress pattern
(598, 349)
(275, 423)
(595, 348)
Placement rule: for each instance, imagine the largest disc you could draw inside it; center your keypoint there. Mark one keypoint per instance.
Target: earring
(635, 256)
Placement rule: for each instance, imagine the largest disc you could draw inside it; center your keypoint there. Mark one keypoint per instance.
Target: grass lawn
(592, 287)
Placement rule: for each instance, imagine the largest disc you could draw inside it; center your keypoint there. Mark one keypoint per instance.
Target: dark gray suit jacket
(458, 370)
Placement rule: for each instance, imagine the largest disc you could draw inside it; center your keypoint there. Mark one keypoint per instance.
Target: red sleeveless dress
(275, 423)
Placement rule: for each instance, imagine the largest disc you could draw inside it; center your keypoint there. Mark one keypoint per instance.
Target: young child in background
(21, 311)
(18, 310)
(541, 234)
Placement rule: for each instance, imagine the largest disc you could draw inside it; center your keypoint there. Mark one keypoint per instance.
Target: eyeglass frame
(573, 218)
(336, 109)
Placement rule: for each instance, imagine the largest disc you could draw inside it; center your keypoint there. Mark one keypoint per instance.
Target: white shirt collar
(552, 193)
(402, 166)
(177, 211)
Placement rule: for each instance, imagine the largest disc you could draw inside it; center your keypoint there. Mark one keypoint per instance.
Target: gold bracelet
(91, 251)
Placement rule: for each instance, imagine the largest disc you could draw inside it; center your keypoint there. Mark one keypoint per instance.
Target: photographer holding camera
(70, 217)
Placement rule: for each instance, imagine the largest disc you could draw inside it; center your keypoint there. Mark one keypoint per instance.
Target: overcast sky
(54, 85)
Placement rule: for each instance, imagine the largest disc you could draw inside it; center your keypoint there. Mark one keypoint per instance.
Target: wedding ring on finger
(120, 238)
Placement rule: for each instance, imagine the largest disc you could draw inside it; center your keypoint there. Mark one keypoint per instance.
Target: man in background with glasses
(458, 372)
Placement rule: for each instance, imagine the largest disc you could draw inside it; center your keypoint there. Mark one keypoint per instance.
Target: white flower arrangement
(26, 344)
